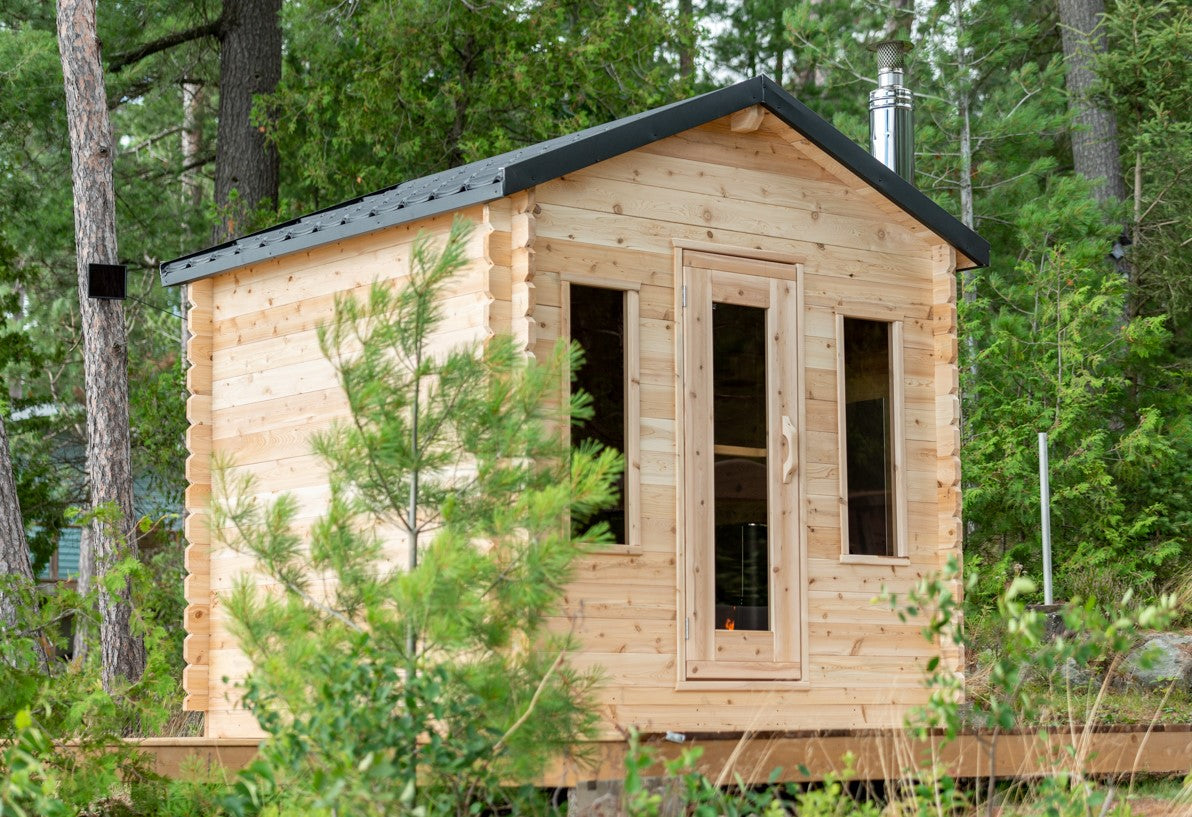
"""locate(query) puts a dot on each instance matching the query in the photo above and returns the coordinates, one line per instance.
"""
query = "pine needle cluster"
(409, 647)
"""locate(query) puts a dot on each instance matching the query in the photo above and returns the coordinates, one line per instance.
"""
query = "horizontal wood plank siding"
(618, 219)
(270, 389)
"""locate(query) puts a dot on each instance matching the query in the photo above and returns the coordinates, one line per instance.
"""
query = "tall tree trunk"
(964, 93)
(192, 141)
(105, 352)
(14, 550)
(249, 64)
(1094, 138)
(687, 44)
(193, 94)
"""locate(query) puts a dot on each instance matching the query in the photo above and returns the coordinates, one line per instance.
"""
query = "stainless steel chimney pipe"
(891, 112)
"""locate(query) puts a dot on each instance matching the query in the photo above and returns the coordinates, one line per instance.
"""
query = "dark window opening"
(869, 438)
(598, 326)
(741, 505)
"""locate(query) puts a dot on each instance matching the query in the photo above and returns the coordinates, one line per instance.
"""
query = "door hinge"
(684, 296)
(686, 629)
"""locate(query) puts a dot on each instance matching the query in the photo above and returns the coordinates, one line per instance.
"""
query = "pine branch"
(121, 61)
(525, 716)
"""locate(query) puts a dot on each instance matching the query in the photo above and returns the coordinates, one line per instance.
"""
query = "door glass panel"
(870, 454)
(741, 506)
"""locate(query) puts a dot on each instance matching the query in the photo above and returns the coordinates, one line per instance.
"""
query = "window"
(740, 541)
(870, 399)
(602, 317)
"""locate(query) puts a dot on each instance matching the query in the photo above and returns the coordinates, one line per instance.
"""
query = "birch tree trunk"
(193, 94)
(249, 64)
(1094, 137)
(14, 550)
(105, 352)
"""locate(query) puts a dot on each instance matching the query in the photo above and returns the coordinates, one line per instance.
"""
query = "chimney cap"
(890, 52)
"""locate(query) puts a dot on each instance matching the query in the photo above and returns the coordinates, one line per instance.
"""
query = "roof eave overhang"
(195, 267)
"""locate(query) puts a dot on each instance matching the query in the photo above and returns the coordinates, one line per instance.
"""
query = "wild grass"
(1023, 688)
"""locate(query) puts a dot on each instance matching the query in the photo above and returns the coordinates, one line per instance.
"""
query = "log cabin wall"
(743, 187)
(261, 387)
(756, 188)
(197, 585)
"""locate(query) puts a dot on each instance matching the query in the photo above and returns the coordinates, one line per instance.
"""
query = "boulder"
(1172, 654)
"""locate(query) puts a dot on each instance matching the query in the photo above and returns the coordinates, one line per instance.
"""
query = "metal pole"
(1045, 512)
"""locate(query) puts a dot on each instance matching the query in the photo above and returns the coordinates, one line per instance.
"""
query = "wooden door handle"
(788, 434)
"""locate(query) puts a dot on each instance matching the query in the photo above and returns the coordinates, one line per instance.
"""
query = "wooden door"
(740, 540)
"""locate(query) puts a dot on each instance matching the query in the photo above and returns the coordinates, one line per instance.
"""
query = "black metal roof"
(521, 169)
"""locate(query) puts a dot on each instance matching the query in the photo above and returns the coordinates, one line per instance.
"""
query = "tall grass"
(916, 766)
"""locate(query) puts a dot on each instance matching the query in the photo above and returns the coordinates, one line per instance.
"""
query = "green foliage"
(47, 701)
(420, 688)
(1145, 78)
(374, 94)
(686, 789)
(752, 37)
(158, 419)
(1090, 633)
(1061, 356)
(27, 787)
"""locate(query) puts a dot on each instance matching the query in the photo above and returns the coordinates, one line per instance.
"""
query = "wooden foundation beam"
(879, 755)
(889, 755)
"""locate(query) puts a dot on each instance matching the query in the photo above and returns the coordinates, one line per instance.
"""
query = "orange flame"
(729, 624)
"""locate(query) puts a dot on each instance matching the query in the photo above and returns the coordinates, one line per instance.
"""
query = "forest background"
(1059, 130)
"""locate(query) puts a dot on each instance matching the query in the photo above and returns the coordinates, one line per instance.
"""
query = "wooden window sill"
(759, 685)
(861, 559)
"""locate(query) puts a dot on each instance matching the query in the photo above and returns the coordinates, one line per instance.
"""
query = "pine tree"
(1095, 149)
(105, 343)
(1144, 77)
(14, 550)
(405, 657)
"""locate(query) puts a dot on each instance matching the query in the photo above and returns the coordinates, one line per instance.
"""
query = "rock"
(1080, 675)
(1173, 661)
(595, 798)
(602, 798)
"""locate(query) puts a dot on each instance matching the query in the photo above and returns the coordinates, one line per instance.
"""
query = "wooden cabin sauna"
(770, 316)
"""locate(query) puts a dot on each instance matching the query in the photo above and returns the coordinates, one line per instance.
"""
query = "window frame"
(901, 555)
(632, 409)
(785, 666)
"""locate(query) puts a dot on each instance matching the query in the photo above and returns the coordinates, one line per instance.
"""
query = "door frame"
(785, 666)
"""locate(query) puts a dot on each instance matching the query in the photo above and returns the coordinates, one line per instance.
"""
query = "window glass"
(598, 325)
(741, 506)
(868, 438)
